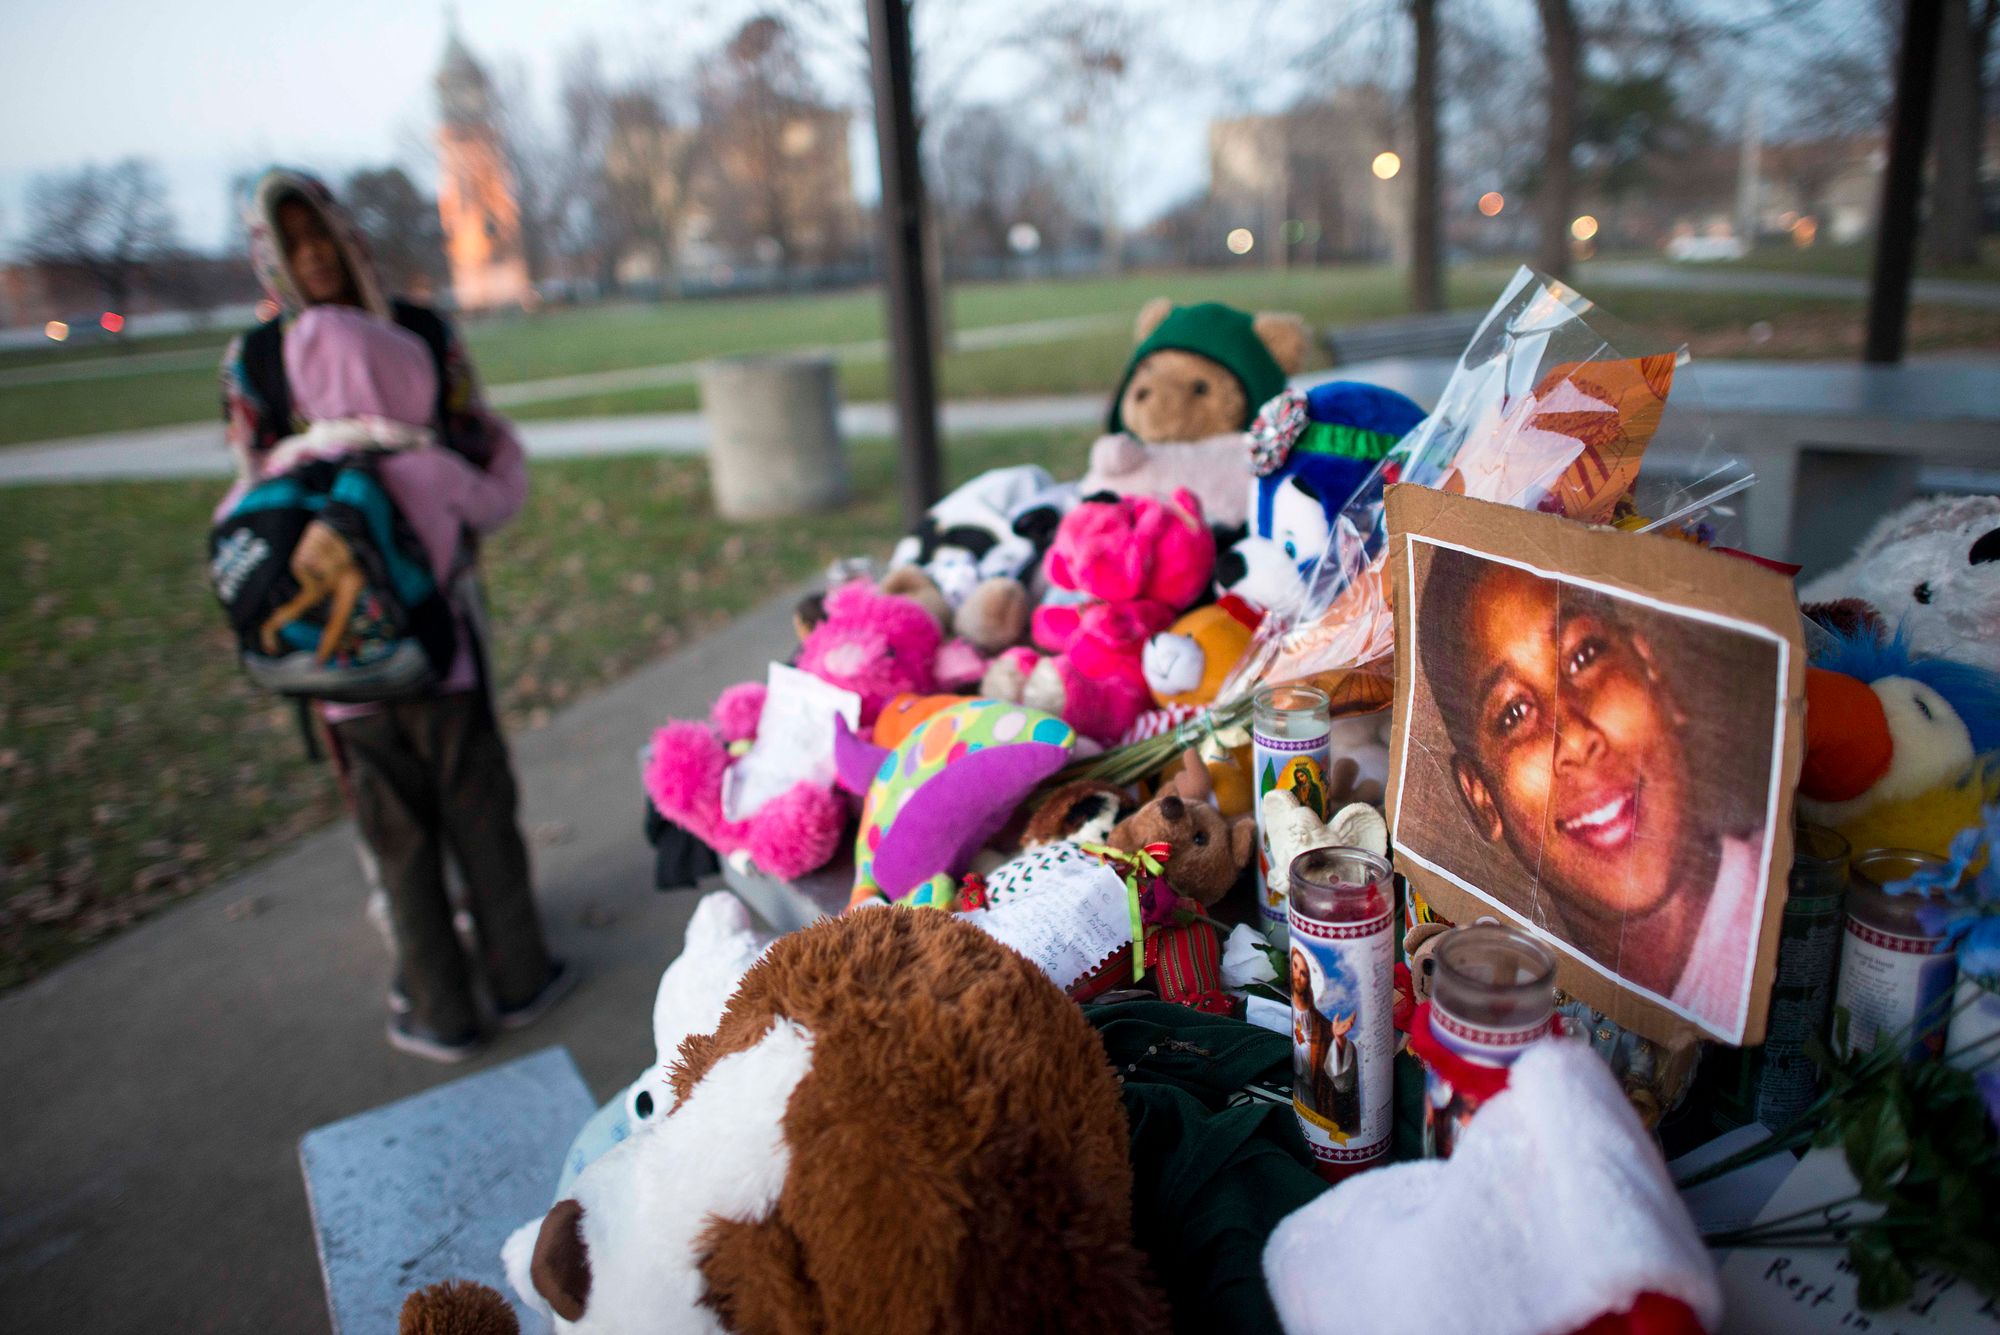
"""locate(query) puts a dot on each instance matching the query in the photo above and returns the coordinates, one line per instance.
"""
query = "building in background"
(1304, 181)
(739, 193)
(476, 202)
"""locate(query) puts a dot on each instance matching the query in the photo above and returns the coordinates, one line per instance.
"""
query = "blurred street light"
(1583, 228)
(1024, 238)
(1491, 203)
(1386, 165)
(111, 322)
(1805, 231)
(56, 330)
(1240, 241)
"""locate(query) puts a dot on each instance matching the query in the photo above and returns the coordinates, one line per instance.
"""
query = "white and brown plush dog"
(898, 1126)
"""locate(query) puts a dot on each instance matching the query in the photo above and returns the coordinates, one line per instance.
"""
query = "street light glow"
(111, 322)
(56, 330)
(1491, 203)
(1583, 228)
(1386, 165)
(1239, 241)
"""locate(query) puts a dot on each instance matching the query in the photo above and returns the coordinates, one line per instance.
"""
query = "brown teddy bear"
(899, 1125)
(1196, 380)
(1206, 853)
(1209, 850)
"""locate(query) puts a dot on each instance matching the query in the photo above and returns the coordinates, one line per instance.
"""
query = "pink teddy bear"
(1136, 562)
(877, 645)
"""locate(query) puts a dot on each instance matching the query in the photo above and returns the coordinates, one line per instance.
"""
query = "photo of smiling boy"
(1608, 761)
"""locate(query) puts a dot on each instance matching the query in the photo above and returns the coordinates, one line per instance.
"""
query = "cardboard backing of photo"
(1670, 571)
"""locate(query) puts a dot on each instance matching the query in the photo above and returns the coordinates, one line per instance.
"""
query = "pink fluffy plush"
(1097, 673)
(1130, 547)
(875, 644)
(796, 832)
(1139, 561)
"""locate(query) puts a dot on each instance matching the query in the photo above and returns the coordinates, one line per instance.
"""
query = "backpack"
(401, 637)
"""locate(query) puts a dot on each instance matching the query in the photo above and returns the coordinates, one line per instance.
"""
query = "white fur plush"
(718, 948)
(721, 1155)
(1931, 569)
(1554, 1209)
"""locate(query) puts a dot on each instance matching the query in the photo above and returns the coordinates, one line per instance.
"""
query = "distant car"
(1706, 249)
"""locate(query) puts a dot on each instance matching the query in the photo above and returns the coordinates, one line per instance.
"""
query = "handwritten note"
(1813, 1289)
(794, 740)
(1060, 907)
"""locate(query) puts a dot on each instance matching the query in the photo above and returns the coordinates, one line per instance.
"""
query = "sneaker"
(406, 1036)
(562, 981)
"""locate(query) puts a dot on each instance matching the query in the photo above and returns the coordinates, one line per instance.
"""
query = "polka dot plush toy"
(939, 796)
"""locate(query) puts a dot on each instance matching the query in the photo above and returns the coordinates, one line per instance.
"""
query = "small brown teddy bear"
(1206, 854)
(1196, 380)
(1209, 850)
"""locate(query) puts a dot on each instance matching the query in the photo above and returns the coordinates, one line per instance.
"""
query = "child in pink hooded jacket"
(428, 773)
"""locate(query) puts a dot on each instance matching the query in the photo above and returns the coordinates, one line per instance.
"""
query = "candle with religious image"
(1896, 975)
(1289, 731)
(1493, 992)
(1342, 969)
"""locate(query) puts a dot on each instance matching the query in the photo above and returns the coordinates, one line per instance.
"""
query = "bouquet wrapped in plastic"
(1541, 412)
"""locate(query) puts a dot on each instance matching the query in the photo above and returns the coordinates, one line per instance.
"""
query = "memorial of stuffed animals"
(1328, 866)
(1000, 667)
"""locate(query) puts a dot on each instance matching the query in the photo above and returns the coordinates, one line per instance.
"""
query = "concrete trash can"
(774, 444)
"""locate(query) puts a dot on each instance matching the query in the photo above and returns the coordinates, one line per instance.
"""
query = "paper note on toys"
(1596, 739)
(794, 740)
(1814, 1288)
(1060, 907)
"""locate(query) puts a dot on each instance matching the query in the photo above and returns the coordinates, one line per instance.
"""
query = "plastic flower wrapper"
(1542, 413)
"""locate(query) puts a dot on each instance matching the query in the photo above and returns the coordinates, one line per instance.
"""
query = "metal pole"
(1903, 183)
(921, 474)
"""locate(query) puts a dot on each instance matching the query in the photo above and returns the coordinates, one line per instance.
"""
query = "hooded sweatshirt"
(253, 427)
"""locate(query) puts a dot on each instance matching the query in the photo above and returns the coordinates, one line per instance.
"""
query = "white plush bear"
(1932, 570)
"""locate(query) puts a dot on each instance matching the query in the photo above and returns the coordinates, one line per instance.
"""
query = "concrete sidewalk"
(156, 1088)
(197, 451)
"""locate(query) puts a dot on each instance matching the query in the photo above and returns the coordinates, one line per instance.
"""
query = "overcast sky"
(213, 89)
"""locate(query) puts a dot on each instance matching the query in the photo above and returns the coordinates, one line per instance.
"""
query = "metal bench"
(429, 1187)
(1835, 445)
(1443, 335)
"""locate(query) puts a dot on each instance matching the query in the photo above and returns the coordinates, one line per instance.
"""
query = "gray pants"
(429, 775)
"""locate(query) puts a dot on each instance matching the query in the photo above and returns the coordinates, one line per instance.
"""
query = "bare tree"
(988, 176)
(402, 227)
(752, 95)
(1555, 201)
(1958, 131)
(1098, 61)
(109, 223)
(538, 166)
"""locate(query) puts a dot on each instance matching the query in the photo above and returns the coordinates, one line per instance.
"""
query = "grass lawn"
(572, 341)
(136, 766)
